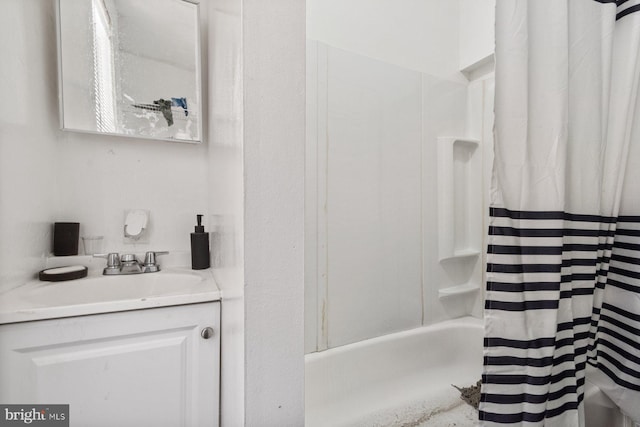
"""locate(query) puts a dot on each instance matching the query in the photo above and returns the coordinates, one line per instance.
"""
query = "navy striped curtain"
(562, 304)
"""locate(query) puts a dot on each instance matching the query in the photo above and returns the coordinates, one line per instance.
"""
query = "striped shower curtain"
(563, 265)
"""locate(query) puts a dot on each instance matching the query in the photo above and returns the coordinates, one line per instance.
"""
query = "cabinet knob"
(207, 332)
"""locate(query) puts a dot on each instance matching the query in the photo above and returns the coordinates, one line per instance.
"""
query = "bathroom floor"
(445, 410)
(461, 415)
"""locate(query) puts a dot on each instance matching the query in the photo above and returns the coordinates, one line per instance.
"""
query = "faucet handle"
(113, 263)
(150, 257)
(113, 259)
(150, 265)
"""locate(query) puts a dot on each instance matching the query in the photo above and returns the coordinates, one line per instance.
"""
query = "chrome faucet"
(129, 264)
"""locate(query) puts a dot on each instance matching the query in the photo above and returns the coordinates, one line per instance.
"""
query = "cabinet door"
(136, 368)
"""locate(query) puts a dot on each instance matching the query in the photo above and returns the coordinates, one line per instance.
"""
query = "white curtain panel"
(563, 266)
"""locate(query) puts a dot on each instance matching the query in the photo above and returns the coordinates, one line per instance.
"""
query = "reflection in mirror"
(130, 67)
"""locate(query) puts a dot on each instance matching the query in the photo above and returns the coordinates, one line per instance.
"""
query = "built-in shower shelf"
(459, 198)
(463, 253)
(460, 290)
(458, 301)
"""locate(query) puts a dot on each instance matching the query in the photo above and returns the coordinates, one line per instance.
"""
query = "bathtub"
(599, 410)
(405, 379)
(402, 379)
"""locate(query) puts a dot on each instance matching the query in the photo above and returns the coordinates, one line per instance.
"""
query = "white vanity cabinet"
(151, 367)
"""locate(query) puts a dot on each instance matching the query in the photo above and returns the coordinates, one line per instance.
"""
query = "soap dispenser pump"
(200, 258)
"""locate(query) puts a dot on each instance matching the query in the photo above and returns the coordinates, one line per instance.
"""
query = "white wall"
(226, 188)
(51, 175)
(274, 135)
(100, 177)
(373, 218)
(477, 31)
(28, 146)
(420, 35)
(432, 36)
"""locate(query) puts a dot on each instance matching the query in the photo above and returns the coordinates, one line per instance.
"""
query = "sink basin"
(101, 294)
(103, 288)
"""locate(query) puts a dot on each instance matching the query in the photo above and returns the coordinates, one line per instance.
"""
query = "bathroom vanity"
(145, 353)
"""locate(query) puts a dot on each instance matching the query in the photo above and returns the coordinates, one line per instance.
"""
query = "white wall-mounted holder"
(458, 301)
(459, 198)
(136, 224)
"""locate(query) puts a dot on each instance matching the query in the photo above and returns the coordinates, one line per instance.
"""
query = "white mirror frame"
(199, 87)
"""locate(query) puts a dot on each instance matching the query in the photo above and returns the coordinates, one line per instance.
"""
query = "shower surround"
(374, 258)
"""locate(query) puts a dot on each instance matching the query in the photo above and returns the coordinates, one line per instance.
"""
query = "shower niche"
(459, 198)
(459, 220)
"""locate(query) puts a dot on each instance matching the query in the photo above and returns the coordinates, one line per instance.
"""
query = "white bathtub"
(404, 379)
(395, 380)
(599, 410)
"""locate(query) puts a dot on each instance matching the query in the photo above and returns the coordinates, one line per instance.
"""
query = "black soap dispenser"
(200, 258)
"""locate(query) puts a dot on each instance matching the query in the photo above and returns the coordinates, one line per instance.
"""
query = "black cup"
(65, 238)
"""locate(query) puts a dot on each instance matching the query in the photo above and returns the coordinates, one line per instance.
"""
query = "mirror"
(130, 68)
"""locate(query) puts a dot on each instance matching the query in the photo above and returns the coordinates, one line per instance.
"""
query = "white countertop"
(38, 300)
